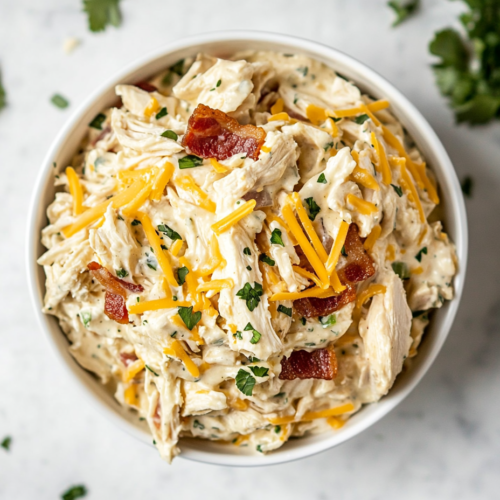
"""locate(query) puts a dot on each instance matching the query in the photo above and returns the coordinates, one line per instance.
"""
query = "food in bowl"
(241, 250)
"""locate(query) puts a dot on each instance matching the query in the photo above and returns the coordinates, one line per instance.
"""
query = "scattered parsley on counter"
(245, 382)
(285, 310)
(467, 186)
(190, 318)
(314, 208)
(3, 100)
(74, 492)
(403, 9)
(59, 101)
(98, 121)
(251, 295)
(170, 134)
(276, 237)
(5, 444)
(190, 161)
(469, 70)
(101, 13)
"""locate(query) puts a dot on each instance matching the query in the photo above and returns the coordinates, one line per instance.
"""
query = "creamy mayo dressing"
(200, 391)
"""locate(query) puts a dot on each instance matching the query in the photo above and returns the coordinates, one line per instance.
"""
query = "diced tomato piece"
(320, 364)
(212, 133)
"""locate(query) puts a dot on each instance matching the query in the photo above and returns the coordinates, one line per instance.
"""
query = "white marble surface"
(442, 443)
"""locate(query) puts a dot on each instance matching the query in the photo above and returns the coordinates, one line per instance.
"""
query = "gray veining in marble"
(443, 442)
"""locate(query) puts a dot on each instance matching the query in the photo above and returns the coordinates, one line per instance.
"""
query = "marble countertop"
(442, 442)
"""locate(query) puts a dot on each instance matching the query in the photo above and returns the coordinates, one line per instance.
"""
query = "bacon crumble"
(319, 364)
(211, 133)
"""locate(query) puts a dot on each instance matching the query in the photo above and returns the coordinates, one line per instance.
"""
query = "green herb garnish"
(74, 492)
(314, 208)
(419, 254)
(327, 321)
(190, 161)
(304, 70)
(342, 251)
(98, 121)
(218, 83)
(361, 119)
(86, 318)
(170, 134)
(322, 179)
(163, 112)
(101, 13)
(190, 319)
(247, 251)
(59, 101)
(173, 235)
(122, 273)
(267, 260)
(198, 425)
(276, 237)
(251, 295)
(401, 269)
(285, 310)
(136, 222)
(152, 371)
(403, 9)
(398, 190)
(245, 382)
(259, 371)
(255, 334)
(182, 272)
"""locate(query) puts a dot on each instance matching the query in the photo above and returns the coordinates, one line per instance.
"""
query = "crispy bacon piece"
(116, 292)
(359, 267)
(146, 86)
(321, 363)
(211, 133)
(127, 358)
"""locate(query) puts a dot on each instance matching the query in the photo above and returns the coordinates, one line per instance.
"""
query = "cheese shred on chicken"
(242, 250)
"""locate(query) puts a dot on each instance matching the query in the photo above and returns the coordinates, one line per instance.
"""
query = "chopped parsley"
(136, 222)
(277, 429)
(151, 262)
(173, 235)
(122, 273)
(163, 112)
(245, 382)
(314, 208)
(403, 9)
(327, 321)
(251, 295)
(198, 425)
(267, 260)
(259, 448)
(361, 119)
(238, 335)
(102, 13)
(276, 237)
(247, 251)
(343, 252)
(59, 101)
(6, 442)
(304, 70)
(152, 371)
(401, 269)
(218, 83)
(322, 179)
(170, 134)
(98, 121)
(86, 318)
(249, 268)
(467, 185)
(173, 334)
(303, 320)
(255, 334)
(259, 371)
(285, 310)
(190, 161)
(189, 318)
(398, 190)
(328, 146)
(74, 492)
(182, 272)
(420, 253)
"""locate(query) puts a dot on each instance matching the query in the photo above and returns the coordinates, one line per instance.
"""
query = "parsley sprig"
(102, 13)
(251, 295)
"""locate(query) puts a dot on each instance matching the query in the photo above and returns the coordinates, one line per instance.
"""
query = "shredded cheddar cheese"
(372, 238)
(277, 107)
(152, 107)
(75, 189)
(315, 114)
(233, 218)
(216, 285)
(187, 183)
(362, 206)
(155, 305)
(130, 395)
(382, 165)
(218, 167)
(133, 369)
(333, 258)
(176, 350)
(280, 117)
(161, 181)
(176, 247)
(314, 415)
(373, 107)
(371, 291)
(308, 275)
(131, 208)
(310, 292)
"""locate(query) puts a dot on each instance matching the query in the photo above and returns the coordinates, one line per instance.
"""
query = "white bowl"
(224, 44)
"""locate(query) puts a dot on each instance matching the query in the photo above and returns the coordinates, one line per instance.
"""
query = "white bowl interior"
(224, 44)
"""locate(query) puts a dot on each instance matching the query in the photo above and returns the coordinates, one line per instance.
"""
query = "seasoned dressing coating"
(216, 260)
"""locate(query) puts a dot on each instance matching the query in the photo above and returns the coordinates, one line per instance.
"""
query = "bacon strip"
(321, 364)
(359, 267)
(211, 133)
(116, 292)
